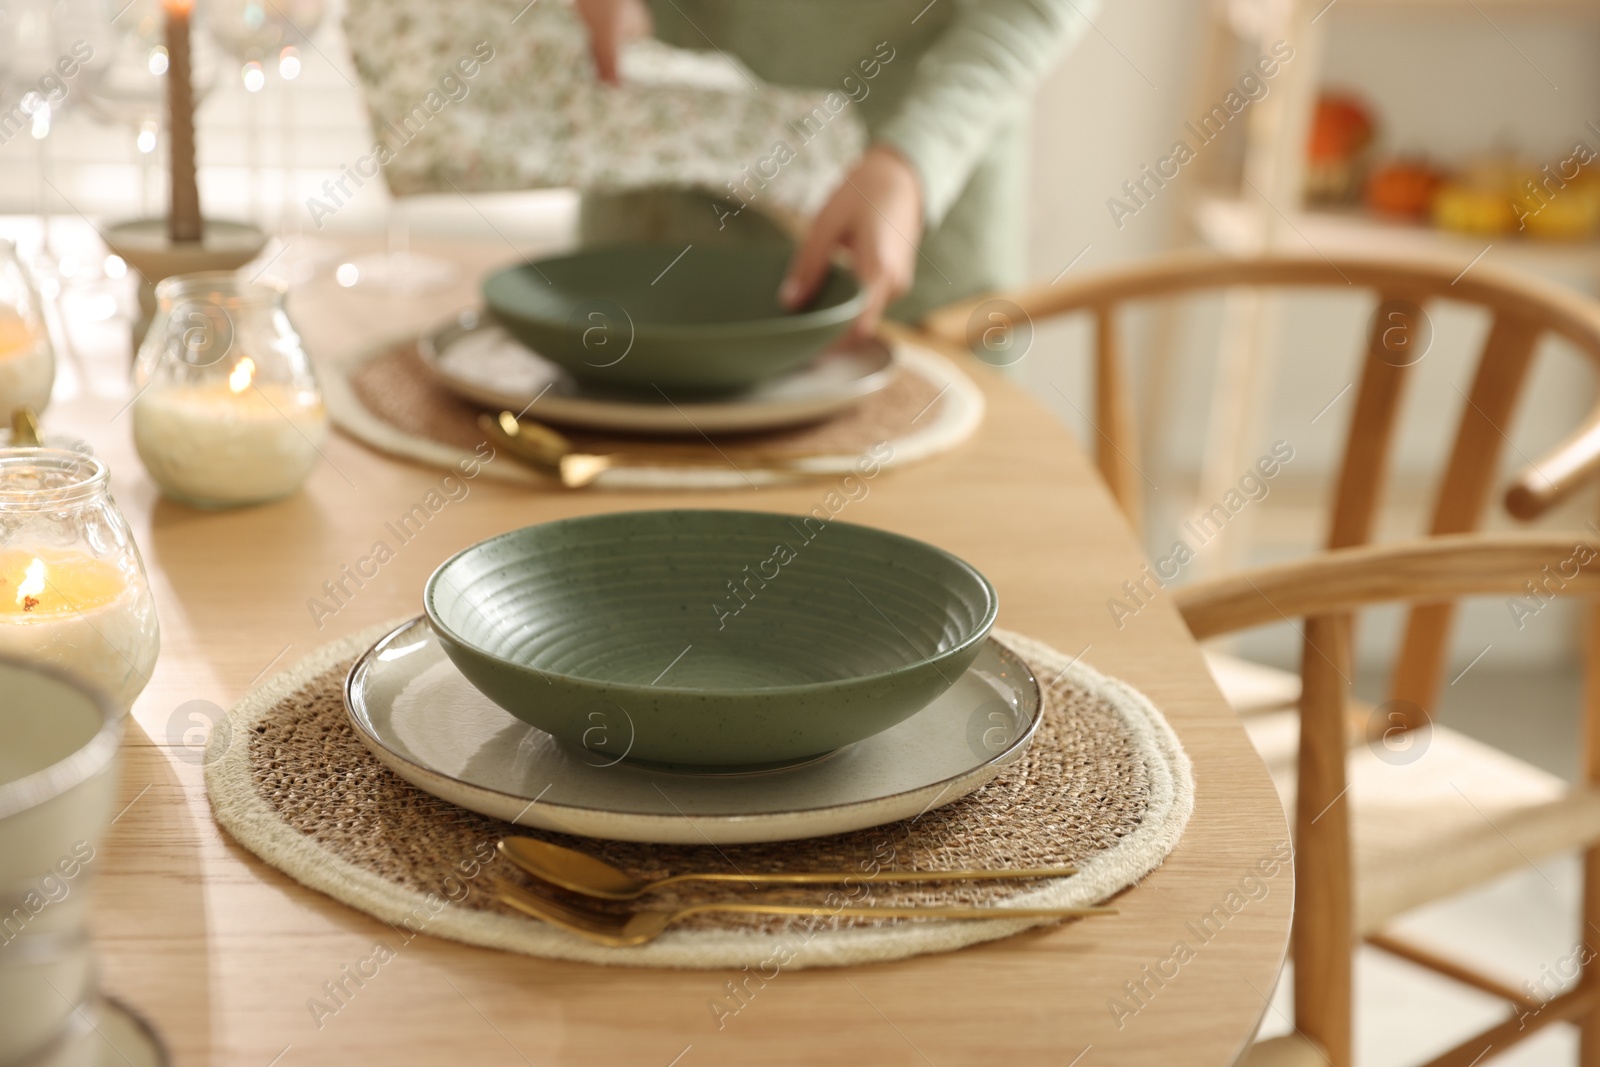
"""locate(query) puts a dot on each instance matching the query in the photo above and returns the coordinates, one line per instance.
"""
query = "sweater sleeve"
(984, 66)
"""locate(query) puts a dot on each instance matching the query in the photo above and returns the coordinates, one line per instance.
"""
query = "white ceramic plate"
(478, 360)
(427, 723)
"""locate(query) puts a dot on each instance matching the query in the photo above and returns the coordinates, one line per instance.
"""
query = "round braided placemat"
(1105, 786)
(389, 399)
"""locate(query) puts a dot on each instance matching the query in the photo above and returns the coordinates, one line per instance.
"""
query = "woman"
(934, 210)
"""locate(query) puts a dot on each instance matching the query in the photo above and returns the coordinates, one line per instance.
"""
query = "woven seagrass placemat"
(1105, 787)
(390, 399)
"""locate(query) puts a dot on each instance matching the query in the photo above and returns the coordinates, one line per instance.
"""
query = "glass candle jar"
(27, 362)
(228, 411)
(57, 782)
(73, 592)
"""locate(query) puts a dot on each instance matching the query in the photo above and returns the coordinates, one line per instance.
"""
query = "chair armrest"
(1573, 464)
(1427, 569)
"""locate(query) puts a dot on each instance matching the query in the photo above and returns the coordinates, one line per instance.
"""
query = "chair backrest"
(1522, 310)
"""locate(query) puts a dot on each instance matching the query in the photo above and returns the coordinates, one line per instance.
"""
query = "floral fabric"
(501, 94)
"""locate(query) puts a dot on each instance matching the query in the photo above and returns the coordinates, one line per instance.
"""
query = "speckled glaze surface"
(709, 638)
(418, 714)
(649, 316)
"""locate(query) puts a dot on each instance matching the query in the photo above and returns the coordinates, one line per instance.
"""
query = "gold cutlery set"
(585, 876)
(551, 454)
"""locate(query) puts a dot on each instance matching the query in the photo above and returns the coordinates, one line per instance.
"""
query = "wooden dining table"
(224, 954)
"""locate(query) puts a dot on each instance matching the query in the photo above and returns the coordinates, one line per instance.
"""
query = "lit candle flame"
(31, 586)
(243, 373)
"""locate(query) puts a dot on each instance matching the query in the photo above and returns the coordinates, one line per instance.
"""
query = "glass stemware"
(397, 270)
(49, 51)
(256, 33)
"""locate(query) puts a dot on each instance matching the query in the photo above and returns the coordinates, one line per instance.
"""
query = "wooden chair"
(1346, 883)
(1405, 832)
(1523, 310)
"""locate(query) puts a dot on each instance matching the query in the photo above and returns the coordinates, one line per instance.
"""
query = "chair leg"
(1589, 1024)
(1324, 929)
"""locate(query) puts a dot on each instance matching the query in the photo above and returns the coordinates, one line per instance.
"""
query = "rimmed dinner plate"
(420, 717)
(477, 359)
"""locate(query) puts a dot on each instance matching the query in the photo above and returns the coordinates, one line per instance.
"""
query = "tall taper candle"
(183, 217)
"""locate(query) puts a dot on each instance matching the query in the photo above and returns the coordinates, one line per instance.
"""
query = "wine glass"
(266, 37)
(255, 32)
(398, 271)
(49, 52)
(28, 75)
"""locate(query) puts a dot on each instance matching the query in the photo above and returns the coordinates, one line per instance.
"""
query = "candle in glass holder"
(57, 788)
(27, 365)
(229, 412)
(27, 362)
(78, 613)
(73, 593)
(234, 441)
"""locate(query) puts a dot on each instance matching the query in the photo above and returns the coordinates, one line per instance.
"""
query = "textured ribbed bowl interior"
(709, 599)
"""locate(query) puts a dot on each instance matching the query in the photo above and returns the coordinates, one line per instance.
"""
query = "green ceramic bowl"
(642, 316)
(709, 638)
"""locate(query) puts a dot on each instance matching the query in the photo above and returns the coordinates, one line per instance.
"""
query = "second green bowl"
(682, 318)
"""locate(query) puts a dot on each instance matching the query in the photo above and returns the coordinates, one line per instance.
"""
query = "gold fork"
(637, 927)
(553, 455)
(579, 872)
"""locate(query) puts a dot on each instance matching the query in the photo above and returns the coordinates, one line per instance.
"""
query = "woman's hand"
(876, 215)
(612, 23)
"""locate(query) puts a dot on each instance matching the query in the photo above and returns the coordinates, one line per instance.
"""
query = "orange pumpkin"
(1405, 188)
(1341, 130)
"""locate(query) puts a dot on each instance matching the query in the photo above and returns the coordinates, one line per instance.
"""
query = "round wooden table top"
(229, 958)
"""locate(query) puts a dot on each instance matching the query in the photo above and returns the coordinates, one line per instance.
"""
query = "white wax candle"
(78, 613)
(27, 366)
(229, 442)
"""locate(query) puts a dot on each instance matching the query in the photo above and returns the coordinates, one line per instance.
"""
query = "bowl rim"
(976, 636)
(844, 312)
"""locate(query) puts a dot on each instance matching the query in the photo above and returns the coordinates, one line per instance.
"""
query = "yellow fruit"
(1564, 213)
(1473, 209)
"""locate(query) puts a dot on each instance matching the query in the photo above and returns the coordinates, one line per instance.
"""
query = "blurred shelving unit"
(1247, 198)
(1236, 227)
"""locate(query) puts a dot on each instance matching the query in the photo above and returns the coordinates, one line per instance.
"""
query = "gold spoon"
(582, 873)
(635, 928)
(553, 455)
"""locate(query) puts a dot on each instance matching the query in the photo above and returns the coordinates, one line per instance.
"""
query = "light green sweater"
(945, 83)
